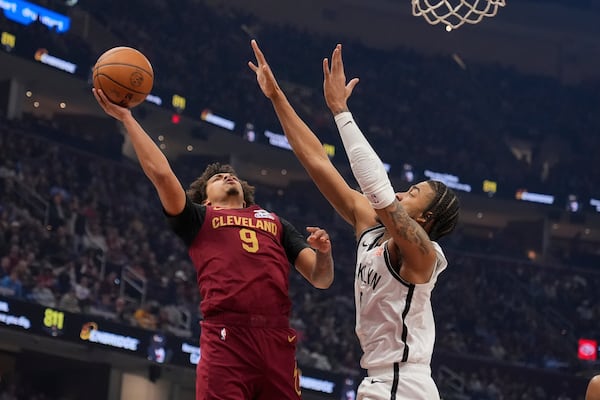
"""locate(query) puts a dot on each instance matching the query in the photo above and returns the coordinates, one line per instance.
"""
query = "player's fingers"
(332, 53)
(322, 243)
(326, 71)
(260, 57)
(252, 66)
(100, 97)
(335, 55)
(318, 243)
(95, 93)
(351, 85)
(340, 60)
(335, 65)
(313, 232)
(320, 234)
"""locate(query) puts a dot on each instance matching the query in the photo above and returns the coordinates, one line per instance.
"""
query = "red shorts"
(246, 357)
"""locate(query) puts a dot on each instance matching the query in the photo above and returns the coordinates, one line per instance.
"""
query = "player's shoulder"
(372, 231)
(442, 261)
(437, 247)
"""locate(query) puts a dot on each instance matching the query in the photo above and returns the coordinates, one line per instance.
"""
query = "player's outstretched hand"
(335, 88)
(110, 108)
(264, 76)
(318, 239)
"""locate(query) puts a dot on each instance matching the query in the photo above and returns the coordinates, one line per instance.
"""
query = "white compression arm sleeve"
(366, 165)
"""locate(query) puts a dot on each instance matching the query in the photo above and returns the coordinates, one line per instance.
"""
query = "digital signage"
(587, 349)
(156, 347)
(24, 12)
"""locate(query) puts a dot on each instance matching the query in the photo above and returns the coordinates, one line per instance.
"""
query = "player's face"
(416, 199)
(223, 185)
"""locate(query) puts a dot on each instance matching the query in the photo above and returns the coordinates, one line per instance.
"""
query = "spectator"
(11, 284)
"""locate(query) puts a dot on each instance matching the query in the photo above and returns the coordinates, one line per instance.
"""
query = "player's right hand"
(112, 109)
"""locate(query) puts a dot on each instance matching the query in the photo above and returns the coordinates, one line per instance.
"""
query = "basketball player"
(398, 260)
(242, 255)
(593, 389)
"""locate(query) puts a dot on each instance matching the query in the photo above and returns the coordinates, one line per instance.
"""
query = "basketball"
(124, 75)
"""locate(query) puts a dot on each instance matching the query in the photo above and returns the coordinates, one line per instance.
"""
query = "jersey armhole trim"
(390, 268)
(367, 231)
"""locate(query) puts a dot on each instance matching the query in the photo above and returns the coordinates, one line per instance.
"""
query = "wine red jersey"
(242, 258)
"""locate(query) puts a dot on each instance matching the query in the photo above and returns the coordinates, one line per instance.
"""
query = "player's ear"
(425, 218)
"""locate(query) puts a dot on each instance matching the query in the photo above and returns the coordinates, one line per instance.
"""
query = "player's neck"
(228, 203)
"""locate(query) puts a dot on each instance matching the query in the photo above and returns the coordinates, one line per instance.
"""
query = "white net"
(455, 13)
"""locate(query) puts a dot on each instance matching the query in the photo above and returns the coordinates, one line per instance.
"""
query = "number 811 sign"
(53, 322)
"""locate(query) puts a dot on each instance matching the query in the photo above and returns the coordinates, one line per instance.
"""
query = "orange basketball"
(124, 75)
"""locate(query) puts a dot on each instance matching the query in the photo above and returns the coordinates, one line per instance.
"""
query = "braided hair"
(444, 210)
(197, 189)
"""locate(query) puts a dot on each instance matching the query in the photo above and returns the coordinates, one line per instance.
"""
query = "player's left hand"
(335, 88)
(318, 239)
(264, 76)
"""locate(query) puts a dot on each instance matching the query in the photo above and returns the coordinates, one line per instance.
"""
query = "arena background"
(506, 111)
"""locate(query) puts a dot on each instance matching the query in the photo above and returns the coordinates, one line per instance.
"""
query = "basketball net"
(455, 13)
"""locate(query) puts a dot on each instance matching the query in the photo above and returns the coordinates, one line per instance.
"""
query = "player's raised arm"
(309, 150)
(153, 161)
(409, 238)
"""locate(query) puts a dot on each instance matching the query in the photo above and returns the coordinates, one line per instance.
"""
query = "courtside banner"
(93, 330)
(156, 347)
(17, 315)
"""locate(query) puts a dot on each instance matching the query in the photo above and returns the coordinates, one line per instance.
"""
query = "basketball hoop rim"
(455, 13)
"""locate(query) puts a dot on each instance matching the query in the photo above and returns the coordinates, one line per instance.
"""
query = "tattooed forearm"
(408, 228)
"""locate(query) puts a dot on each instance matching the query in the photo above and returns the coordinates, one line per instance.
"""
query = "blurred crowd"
(101, 227)
(432, 112)
(477, 122)
(84, 232)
